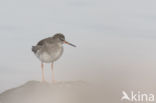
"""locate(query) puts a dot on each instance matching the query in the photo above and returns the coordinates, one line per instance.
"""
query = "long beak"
(69, 43)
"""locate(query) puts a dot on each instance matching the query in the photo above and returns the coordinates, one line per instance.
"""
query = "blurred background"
(115, 42)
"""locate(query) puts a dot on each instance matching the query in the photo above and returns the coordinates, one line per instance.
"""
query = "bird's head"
(61, 38)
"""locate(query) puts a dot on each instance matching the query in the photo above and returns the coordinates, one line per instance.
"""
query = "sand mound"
(37, 92)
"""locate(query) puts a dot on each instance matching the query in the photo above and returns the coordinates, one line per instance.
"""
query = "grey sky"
(110, 34)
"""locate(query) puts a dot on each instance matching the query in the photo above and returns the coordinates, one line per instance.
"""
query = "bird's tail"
(34, 49)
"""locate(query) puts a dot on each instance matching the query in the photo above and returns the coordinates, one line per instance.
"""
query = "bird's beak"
(69, 43)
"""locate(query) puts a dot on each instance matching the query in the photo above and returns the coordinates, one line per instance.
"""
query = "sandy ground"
(37, 92)
(65, 92)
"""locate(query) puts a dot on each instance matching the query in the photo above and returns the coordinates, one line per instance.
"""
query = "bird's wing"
(41, 42)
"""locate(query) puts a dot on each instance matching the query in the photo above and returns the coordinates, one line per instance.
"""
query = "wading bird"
(49, 50)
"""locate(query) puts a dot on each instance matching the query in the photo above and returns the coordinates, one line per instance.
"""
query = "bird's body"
(49, 50)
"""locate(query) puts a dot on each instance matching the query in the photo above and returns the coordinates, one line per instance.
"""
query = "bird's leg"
(53, 76)
(42, 67)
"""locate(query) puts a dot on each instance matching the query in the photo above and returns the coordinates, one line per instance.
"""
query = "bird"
(49, 50)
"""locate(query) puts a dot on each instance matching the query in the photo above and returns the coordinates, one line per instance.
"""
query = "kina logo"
(137, 97)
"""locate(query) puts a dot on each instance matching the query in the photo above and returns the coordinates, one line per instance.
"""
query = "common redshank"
(49, 50)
